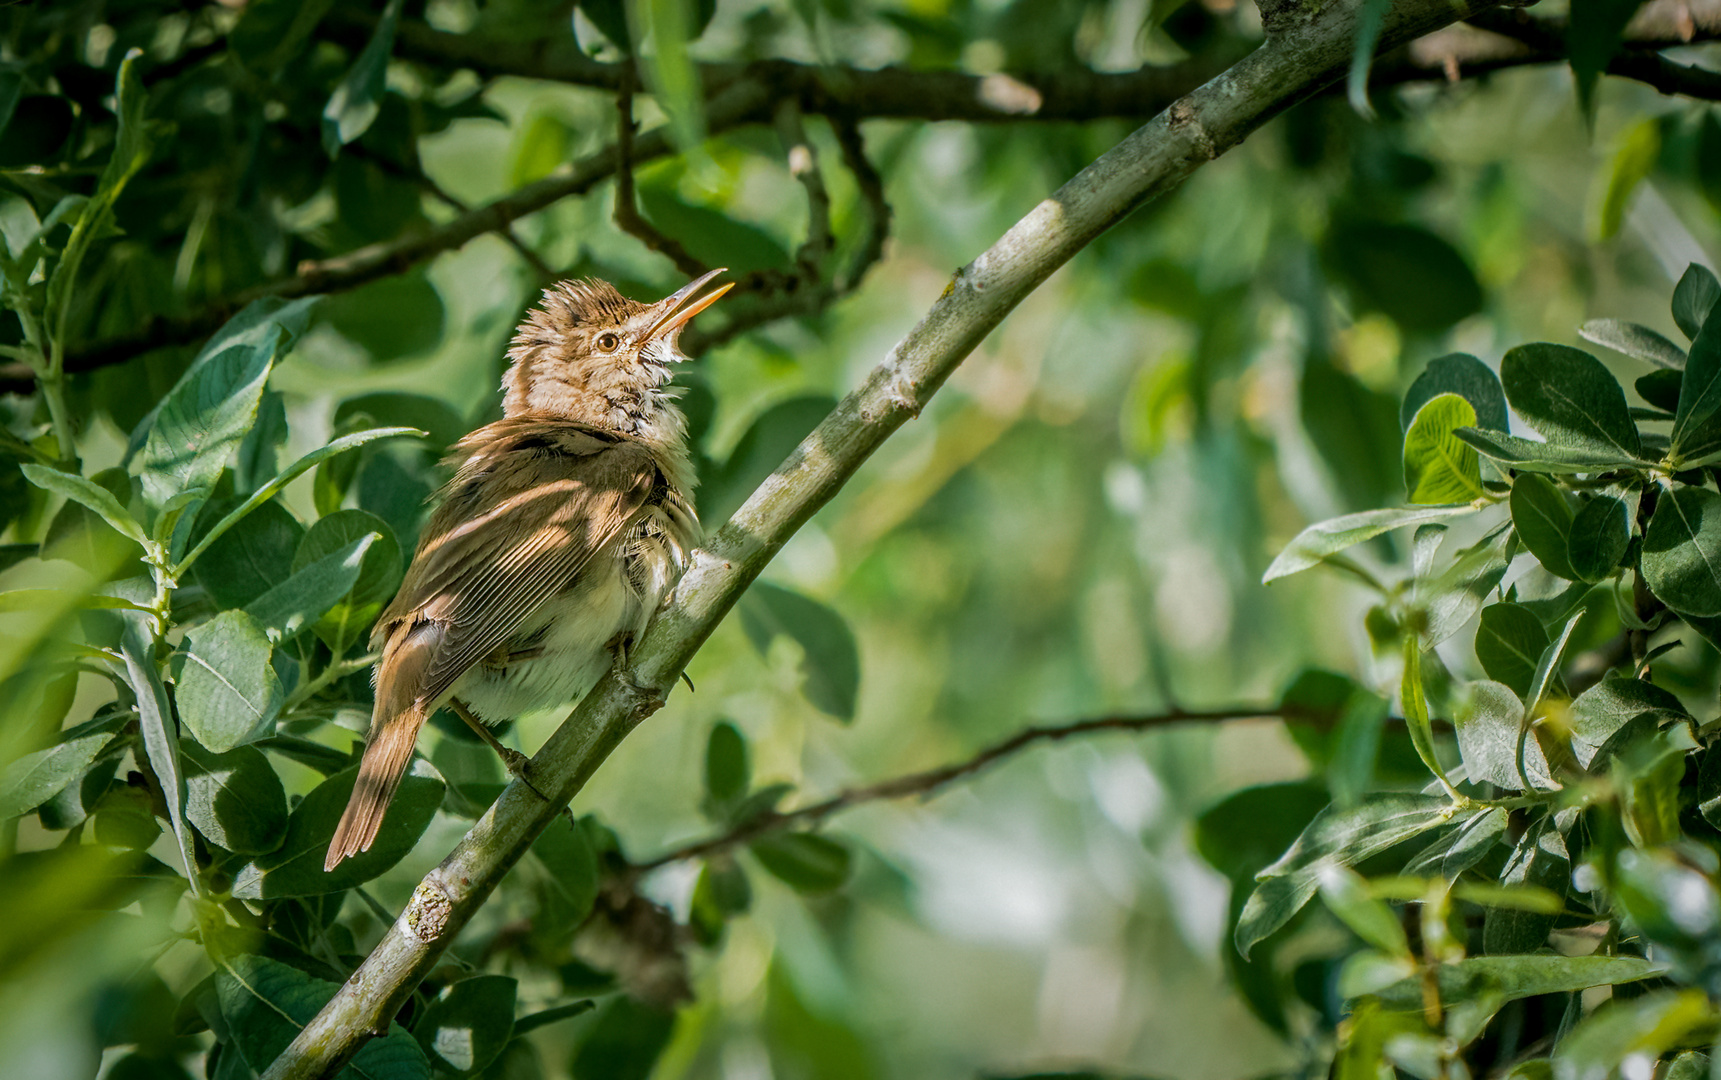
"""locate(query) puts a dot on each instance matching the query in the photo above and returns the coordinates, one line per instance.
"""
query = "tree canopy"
(1074, 347)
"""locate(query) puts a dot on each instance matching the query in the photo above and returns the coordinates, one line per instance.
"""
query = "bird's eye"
(608, 342)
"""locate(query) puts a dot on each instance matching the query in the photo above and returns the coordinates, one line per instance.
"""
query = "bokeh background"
(1076, 528)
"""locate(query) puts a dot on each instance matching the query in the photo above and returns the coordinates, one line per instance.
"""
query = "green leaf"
(89, 494)
(669, 70)
(1570, 398)
(1661, 388)
(1609, 705)
(265, 1004)
(357, 99)
(1593, 38)
(1527, 455)
(727, 775)
(1646, 1027)
(1474, 841)
(434, 419)
(1249, 829)
(379, 573)
(610, 17)
(251, 558)
(1343, 837)
(1509, 642)
(622, 1041)
(33, 779)
(1539, 860)
(533, 1021)
(831, 660)
(235, 799)
(1318, 541)
(1464, 375)
(203, 419)
(229, 693)
(808, 862)
(1346, 895)
(131, 152)
(1439, 468)
(571, 886)
(1696, 426)
(155, 724)
(1681, 561)
(1515, 977)
(1600, 533)
(269, 490)
(767, 441)
(1489, 722)
(296, 868)
(1694, 298)
(1543, 518)
(464, 1028)
(1635, 341)
(1634, 157)
(1648, 775)
(261, 324)
(1413, 699)
(296, 604)
(1369, 18)
(1418, 279)
(1671, 903)
(1453, 597)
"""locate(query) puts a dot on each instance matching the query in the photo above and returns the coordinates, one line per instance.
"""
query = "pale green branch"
(1305, 56)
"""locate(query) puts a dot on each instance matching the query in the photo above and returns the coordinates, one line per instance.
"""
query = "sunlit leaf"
(358, 97)
(1440, 468)
(464, 1028)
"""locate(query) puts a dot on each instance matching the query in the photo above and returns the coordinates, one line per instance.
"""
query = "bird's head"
(590, 354)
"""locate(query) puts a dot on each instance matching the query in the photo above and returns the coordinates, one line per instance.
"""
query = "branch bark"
(1155, 158)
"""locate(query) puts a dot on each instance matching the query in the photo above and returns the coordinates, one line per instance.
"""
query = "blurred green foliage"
(211, 480)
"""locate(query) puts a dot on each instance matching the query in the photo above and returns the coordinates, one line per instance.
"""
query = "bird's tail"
(380, 771)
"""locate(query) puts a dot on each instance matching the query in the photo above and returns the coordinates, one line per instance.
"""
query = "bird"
(564, 526)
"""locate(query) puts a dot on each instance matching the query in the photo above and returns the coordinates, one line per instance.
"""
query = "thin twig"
(804, 166)
(627, 215)
(930, 782)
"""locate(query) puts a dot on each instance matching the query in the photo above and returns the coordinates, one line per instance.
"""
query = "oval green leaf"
(1681, 560)
(1440, 468)
(1571, 398)
(1601, 531)
(1543, 518)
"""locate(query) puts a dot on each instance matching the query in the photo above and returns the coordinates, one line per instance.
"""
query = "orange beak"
(685, 304)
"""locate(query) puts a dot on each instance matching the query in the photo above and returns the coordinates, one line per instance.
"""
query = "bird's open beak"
(685, 304)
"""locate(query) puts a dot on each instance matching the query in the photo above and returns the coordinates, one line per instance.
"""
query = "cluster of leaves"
(1567, 838)
(232, 637)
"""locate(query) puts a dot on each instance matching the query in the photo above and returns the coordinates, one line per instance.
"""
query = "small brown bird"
(566, 524)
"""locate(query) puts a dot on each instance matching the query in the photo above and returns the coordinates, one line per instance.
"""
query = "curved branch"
(1152, 160)
(930, 781)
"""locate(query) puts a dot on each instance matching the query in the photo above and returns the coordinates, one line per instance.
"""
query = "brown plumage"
(566, 523)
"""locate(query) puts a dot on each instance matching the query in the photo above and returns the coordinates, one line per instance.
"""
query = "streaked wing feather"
(511, 540)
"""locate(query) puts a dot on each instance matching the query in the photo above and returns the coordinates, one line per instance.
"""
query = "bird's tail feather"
(380, 772)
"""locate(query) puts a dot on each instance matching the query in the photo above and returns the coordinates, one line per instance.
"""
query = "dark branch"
(743, 94)
(932, 780)
(627, 215)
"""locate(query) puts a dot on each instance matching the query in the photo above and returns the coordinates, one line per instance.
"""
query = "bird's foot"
(519, 766)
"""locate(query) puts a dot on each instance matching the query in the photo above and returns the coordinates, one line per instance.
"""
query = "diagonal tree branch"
(931, 781)
(1291, 65)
